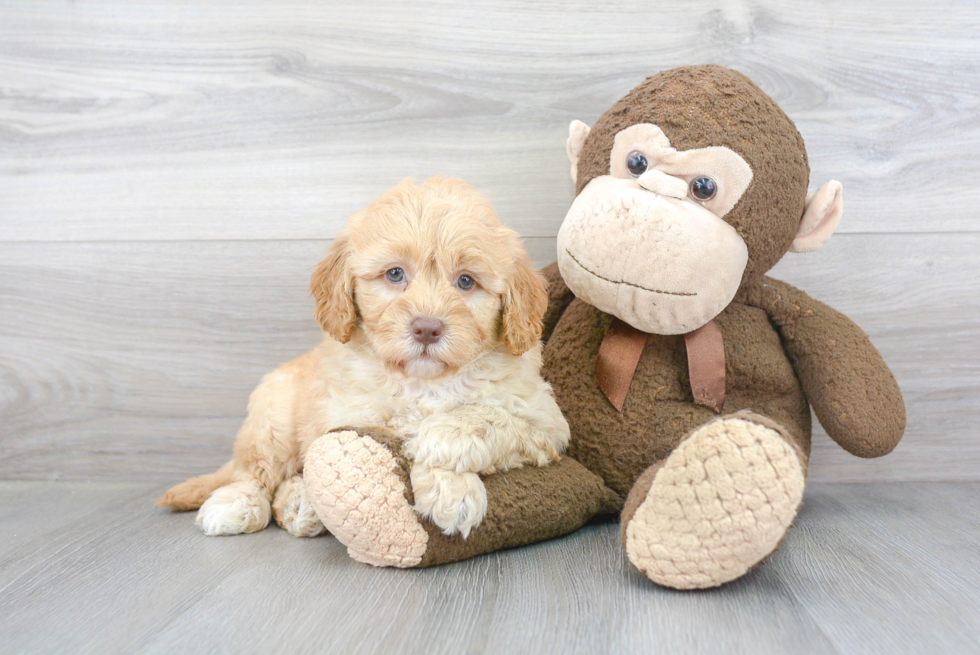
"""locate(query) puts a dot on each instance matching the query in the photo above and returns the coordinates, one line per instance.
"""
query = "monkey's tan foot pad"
(359, 492)
(718, 505)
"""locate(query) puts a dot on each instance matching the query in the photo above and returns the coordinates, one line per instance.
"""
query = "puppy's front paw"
(456, 502)
(235, 508)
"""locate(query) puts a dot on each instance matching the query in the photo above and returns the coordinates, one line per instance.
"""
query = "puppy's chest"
(401, 413)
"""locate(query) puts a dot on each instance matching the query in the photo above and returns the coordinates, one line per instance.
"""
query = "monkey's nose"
(665, 185)
(427, 330)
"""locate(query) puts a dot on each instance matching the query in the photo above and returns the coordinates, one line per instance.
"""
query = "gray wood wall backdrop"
(169, 173)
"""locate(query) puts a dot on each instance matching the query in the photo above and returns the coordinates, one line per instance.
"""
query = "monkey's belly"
(660, 409)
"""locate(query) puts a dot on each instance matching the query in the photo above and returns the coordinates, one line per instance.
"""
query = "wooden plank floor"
(95, 568)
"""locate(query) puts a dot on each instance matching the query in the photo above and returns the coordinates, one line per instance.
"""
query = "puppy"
(432, 314)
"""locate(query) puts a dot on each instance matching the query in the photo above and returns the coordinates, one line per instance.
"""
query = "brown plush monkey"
(684, 373)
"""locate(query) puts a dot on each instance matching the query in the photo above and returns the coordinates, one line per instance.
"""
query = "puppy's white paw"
(293, 510)
(235, 508)
(456, 502)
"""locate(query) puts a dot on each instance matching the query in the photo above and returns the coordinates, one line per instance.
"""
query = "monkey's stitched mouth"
(629, 284)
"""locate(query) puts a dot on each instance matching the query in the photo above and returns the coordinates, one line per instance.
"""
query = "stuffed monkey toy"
(686, 375)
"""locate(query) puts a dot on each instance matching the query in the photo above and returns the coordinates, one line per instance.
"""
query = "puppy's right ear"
(332, 287)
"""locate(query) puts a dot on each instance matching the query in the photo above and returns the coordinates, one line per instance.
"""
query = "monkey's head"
(690, 187)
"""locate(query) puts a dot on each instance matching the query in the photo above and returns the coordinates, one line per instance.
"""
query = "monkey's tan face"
(647, 242)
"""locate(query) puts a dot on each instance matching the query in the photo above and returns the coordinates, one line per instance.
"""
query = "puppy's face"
(432, 279)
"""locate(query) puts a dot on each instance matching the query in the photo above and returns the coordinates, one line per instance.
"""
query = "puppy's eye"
(637, 164)
(395, 275)
(465, 282)
(703, 188)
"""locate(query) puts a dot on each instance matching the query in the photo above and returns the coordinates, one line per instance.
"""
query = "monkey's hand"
(559, 298)
(852, 391)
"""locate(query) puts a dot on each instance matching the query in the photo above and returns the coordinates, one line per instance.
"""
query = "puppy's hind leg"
(235, 508)
(245, 505)
(266, 453)
(293, 511)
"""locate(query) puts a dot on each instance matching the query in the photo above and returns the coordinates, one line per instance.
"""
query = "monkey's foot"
(358, 490)
(717, 506)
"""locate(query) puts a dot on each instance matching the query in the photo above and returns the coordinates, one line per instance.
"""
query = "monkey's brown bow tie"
(620, 351)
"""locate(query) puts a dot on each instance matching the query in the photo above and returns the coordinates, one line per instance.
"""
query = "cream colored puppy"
(432, 314)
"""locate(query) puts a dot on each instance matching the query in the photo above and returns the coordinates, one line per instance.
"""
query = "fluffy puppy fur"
(464, 390)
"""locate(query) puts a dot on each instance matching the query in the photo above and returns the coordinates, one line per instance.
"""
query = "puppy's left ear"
(525, 302)
(332, 288)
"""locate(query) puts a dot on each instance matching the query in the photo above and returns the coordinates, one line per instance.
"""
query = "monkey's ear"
(577, 131)
(332, 288)
(821, 216)
(525, 302)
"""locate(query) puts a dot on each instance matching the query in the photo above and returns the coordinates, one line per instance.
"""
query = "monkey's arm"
(559, 297)
(852, 391)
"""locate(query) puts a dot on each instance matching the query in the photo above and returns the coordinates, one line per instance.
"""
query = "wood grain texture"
(188, 120)
(169, 172)
(869, 568)
(135, 360)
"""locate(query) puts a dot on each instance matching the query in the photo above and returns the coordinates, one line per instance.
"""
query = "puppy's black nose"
(427, 330)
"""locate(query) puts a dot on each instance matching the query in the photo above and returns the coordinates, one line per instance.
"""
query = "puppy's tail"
(192, 493)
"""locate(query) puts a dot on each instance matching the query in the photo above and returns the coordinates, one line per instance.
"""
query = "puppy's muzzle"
(426, 330)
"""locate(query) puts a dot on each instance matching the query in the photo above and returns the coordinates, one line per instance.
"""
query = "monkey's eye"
(395, 275)
(465, 282)
(636, 163)
(703, 188)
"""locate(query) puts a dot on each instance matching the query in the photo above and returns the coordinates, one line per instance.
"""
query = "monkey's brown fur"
(769, 324)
